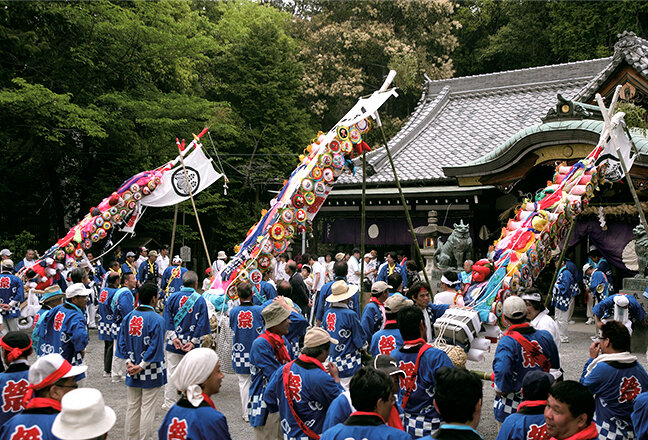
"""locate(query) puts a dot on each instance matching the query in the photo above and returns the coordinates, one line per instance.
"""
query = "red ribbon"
(415, 341)
(278, 345)
(531, 403)
(312, 360)
(207, 399)
(43, 402)
(374, 300)
(13, 353)
(49, 380)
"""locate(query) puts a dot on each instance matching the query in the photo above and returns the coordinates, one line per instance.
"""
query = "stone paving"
(573, 356)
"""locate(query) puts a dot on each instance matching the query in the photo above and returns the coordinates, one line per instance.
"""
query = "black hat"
(536, 385)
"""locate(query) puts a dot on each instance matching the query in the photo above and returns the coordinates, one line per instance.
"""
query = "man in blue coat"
(148, 270)
(390, 267)
(563, 293)
(172, 277)
(106, 320)
(16, 349)
(340, 270)
(373, 315)
(11, 295)
(569, 412)
(122, 303)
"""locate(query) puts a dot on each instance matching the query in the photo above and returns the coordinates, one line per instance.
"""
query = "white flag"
(175, 184)
(366, 107)
(614, 136)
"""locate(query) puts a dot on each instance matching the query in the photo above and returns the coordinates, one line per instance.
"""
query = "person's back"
(16, 348)
(186, 421)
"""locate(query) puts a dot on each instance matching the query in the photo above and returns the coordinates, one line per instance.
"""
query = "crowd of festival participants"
(310, 362)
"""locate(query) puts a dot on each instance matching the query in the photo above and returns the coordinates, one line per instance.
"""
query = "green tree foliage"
(511, 34)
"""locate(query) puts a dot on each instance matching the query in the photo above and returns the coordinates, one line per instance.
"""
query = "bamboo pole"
(560, 260)
(362, 227)
(404, 203)
(193, 204)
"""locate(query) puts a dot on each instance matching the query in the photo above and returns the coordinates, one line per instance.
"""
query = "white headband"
(444, 280)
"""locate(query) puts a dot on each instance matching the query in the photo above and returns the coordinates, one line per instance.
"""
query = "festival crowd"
(311, 363)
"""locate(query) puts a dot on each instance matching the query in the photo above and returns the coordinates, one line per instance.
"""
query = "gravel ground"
(573, 357)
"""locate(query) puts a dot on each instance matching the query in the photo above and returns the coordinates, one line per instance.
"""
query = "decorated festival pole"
(560, 260)
(363, 226)
(193, 203)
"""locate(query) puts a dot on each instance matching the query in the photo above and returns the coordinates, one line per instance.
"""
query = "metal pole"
(404, 203)
(363, 226)
(193, 203)
(560, 260)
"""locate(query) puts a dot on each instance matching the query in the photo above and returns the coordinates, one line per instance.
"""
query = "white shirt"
(280, 271)
(447, 297)
(319, 268)
(217, 266)
(354, 266)
(139, 261)
(545, 322)
(163, 263)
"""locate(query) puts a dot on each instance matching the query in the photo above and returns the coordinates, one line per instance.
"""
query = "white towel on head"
(194, 369)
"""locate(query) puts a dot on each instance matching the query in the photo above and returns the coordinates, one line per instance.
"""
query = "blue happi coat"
(11, 292)
(187, 422)
(385, 340)
(323, 305)
(38, 322)
(340, 410)
(597, 279)
(420, 417)
(383, 273)
(141, 341)
(512, 363)
(13, 386)
(122, 303)
(360, 427)
(615, 386)
(266, 292)
(247, 324)
(297, 328)
(527, 423)
(343, 324)
(127, 268)
(64, 331)
(30, 424)
(106, 319)
(172, 279)
(605, 309)
(639, 416)
(372, 319)
(564, 289)
(193, 325)
(263, 365)
(312, 390)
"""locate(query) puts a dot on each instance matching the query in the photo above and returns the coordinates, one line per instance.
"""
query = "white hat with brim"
(222, 255)
(340, 291)
(77, 289)
(274, 314)
(46, 365)
(83, 415)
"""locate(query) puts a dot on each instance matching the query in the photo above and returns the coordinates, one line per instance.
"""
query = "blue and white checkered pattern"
(508, 403)
(13, 312)
(104, 328)
(612, 431)
(152, 372)
(241, 359)
(420, 426)
(295, 347)
(348, 362)
(77, 359)
(285, 427)
(184, 340)
(115, 329)
(255, 406)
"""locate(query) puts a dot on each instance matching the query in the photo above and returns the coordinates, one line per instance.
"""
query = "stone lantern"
(431, 232)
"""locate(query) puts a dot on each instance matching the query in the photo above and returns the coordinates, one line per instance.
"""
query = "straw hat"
(340, 291)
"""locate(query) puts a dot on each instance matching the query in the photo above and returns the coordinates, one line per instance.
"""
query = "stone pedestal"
(636, 287)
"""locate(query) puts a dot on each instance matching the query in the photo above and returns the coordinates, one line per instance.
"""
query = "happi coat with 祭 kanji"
(13, 386)
(11, 292)
(512, 363)
(528, 423)
(343, 324)
(363, 425)
(342, 407)
(564, 289)
(312, 390)
(615, 385)
(373, 317)
(419, 415)
(141, 341)
(323, 305)
(186, 318)
(386, 340)
(106, 319)
(172, 279)
(246, 322)
(186, 422)
(64, 331)
(33, 423)
(264, 361)
(122, 303)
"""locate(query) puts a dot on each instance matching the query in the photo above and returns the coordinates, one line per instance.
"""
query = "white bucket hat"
(83, 415)
(221, 255)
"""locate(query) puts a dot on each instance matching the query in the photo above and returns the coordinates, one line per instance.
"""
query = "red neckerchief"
(43, 402)
(414, 342)
(366, 413)
(13, 353)
(278, 346)
(374, 300)
(312, 360)
(531, 403)
(395, 419)
(390, 321)
(588, 433)
(208, 400)
(516, 327)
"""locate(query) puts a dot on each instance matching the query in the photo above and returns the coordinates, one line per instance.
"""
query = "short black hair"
(409, 321)
(416, 288)
(456, 407)
(305, 259)
(147, 291)
(576, 396)
(514, 321)
(340, 268)
(316, 351)
(114, 263)
(314, 257)
(77, 274)
(284, 289)
(392, 255)
(594, 253)
(411, 265)
(368, 386)
(618, 335)
(355, 251)
(395, 280)
(124, 277)
(244, 291)
(113, 277)
(307, 268)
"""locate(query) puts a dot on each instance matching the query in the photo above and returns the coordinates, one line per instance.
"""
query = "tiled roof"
(631, 49)
(461, 119)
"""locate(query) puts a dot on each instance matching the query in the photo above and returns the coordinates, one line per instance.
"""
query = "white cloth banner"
(366, 107)
(613, 137)
(175, 185)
